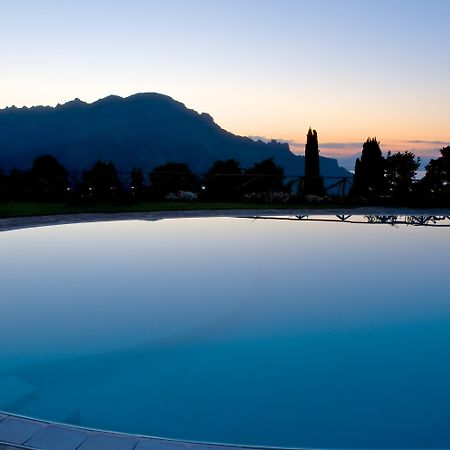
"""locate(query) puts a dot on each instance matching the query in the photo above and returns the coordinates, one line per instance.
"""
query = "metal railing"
(371, 219)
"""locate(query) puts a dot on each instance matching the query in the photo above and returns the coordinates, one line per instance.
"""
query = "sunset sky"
(270, 68)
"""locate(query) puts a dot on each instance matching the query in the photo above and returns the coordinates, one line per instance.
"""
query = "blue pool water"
(266, 332)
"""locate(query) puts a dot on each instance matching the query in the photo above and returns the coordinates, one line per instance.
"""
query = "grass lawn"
(21, 209)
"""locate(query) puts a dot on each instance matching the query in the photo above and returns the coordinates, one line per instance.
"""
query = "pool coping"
(17, 223)
(19, 432)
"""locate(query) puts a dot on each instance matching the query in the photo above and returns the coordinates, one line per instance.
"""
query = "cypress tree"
(368, 180)
(312, 182)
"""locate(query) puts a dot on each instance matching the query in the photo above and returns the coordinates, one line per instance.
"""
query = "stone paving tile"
(160, 444)
(11, 447)
(103, 441)
(214, 447)
(58, 437)
(16, 430)
(224, 447)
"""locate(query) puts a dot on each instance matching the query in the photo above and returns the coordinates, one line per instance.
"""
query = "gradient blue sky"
(268, 68)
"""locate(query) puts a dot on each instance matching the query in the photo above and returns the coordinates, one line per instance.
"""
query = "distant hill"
(143, 130)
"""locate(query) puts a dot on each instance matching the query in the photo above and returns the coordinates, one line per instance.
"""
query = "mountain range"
(142, 131)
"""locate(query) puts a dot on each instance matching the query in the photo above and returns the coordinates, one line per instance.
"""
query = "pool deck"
(18, 432)
(17, 223)
(23, 433)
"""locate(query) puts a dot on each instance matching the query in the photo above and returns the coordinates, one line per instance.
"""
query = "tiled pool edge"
(17, 223)
(18, 432)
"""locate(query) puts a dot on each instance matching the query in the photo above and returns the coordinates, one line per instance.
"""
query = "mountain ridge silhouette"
(143, 130)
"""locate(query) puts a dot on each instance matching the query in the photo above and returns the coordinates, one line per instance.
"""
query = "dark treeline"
(392, 178)
(48, 180)
(377, 179)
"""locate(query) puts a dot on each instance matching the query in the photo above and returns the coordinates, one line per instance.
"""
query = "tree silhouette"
(368, 180)
(15, 184)
(101, 182)
(264, 177)
(400, 172)
(137, 183)
(436, 182)
(223, 182)
(137, 178)
(47, 178)
(172, 178)
(312, 182)
(3, 185)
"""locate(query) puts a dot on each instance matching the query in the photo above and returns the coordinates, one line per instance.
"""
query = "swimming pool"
(266, 332)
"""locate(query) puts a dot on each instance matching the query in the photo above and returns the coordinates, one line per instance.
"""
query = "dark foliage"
(368, 180)
(224, 181)
(172, 178)
(436, 183)
(265, 176)
(137, 183)
(16, 185)
(3, 179)
(378, 179)
(400, 172)
(137, 178)
(101, 182)
(47, 178)
(312, 182)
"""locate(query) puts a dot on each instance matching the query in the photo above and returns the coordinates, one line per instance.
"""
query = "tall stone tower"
(312, 182)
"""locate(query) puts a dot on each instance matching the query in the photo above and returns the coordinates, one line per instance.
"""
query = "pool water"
(265, 332)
